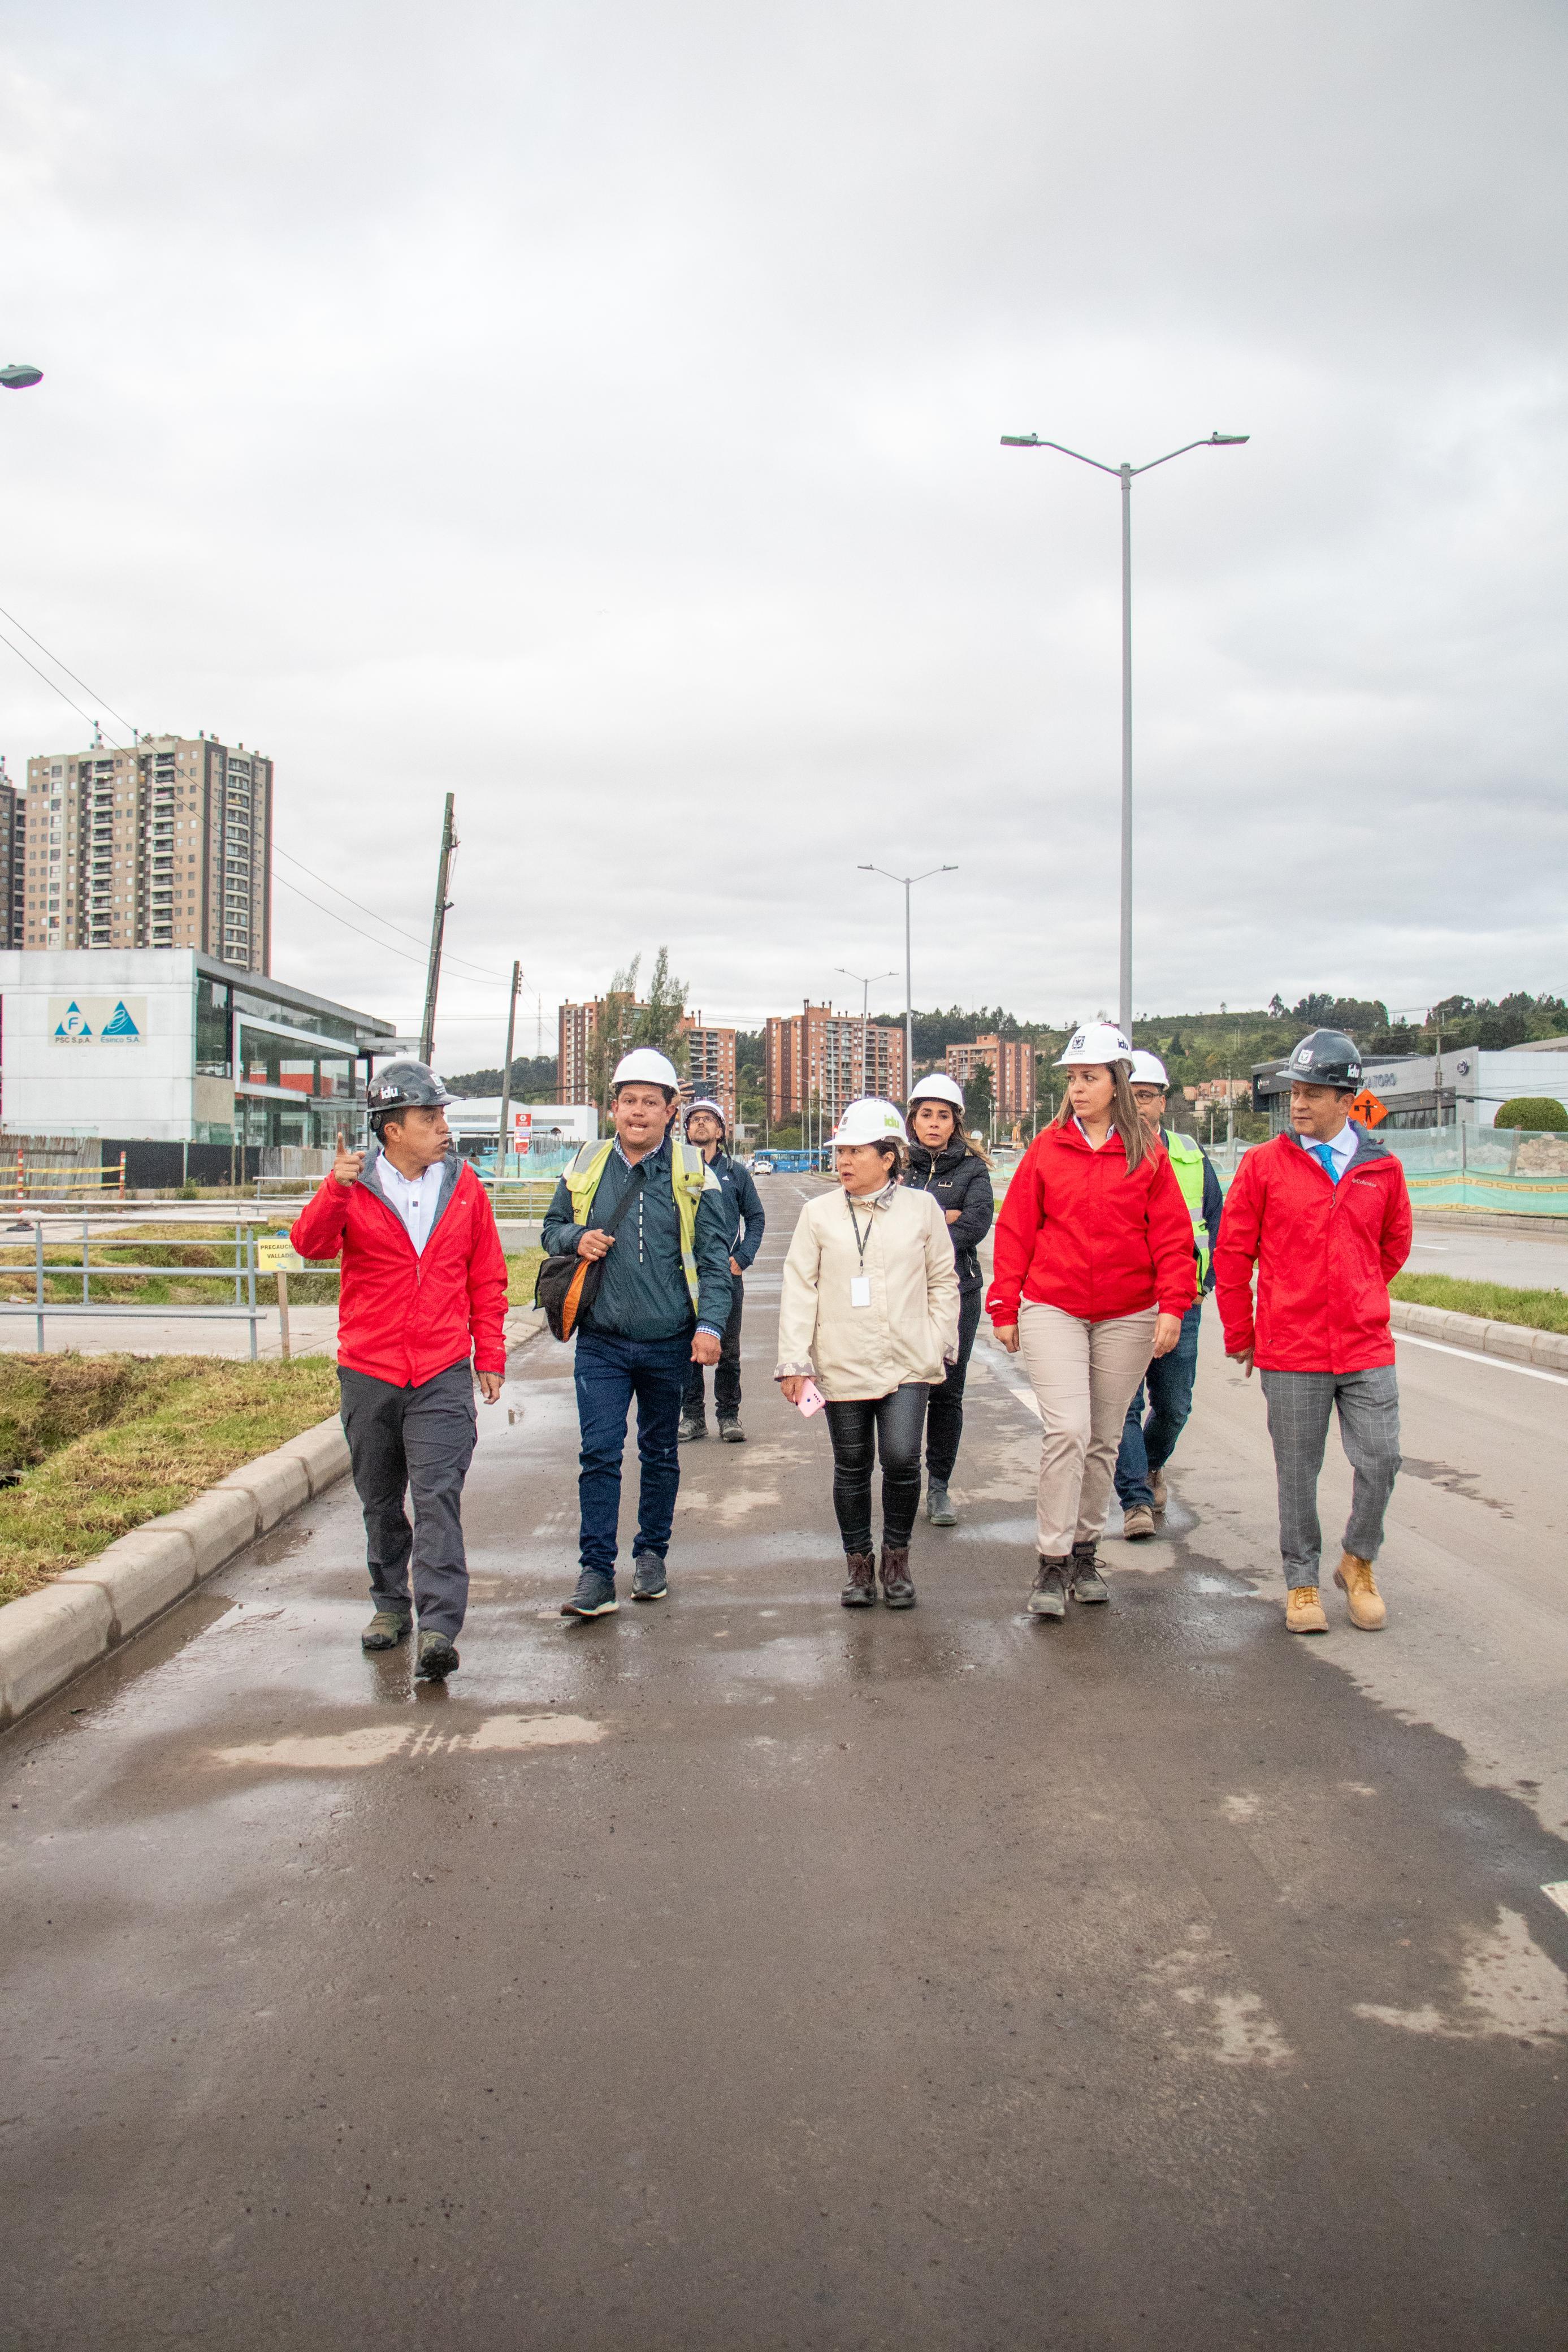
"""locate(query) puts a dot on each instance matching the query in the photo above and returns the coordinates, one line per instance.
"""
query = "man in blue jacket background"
(705, 1129)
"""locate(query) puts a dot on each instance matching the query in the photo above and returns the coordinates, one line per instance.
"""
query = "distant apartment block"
(165, 844)
(1010, 1061)
(812, 1060)
(712, 1065)
(13, 859)
(576, 1040)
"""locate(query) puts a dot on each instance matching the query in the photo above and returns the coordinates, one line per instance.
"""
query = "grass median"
(1494, 1302)
(90, 1446)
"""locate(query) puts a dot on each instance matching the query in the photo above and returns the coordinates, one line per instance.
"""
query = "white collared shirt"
(1342, 1145)
(413, 1197)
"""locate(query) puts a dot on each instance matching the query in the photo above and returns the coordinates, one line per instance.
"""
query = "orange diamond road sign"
(1367, 1108)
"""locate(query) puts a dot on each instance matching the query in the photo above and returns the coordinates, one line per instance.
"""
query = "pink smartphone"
(811, 1399)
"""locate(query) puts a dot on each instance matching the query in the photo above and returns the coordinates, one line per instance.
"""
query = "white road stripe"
(1557, 1892)
(1473, 1356)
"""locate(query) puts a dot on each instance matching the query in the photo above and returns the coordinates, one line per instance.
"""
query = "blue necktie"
(1324, 1152)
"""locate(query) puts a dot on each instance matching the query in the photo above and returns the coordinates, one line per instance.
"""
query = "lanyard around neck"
(856, 1222)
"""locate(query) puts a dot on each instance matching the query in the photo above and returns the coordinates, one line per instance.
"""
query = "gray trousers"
(1300, 1406)
(417, 1441)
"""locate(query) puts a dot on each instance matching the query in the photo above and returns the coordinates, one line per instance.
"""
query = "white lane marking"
(1557, 1892)
(1473, 1356)
(378, 1743)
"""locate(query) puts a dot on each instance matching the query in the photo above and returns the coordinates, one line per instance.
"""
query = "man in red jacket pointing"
(423, 1287)
(1324, 1212)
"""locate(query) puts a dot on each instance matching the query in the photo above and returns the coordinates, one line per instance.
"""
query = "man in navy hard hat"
(661, 1305)
(1324, 1215)
(1148, 1444)
(422, 1310)
(704, 1126)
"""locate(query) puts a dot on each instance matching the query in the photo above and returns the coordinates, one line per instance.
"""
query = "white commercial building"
(541, 1128)
(169, 1045)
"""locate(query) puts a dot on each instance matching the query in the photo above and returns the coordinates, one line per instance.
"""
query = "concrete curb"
(1516, 1341)
(47, 1638)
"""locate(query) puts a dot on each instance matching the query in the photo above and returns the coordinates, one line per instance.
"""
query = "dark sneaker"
(897, 1590)
(386, 1629)
(1088, 1584)
(859, 1592)
(648, 1577)
(594, 1597)
(693, 1427)
(437, 1658)
(731, 1431)
(938, 1510)
(1048, 1598)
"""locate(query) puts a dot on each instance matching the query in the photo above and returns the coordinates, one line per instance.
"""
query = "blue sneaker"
(594, 1597)
(648, 1577)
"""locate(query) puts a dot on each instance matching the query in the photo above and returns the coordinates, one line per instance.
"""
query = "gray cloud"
(595, 411)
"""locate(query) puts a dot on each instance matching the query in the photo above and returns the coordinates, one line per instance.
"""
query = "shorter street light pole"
(907, 883)
(1124, 474)
(506, 1073)
(866, 981)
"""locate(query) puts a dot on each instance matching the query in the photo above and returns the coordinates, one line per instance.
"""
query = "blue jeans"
(1147, 1445)
(610, 1372)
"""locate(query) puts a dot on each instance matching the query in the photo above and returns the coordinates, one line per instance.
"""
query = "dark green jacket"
(643, 1294)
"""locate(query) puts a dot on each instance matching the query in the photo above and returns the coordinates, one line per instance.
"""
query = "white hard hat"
(938, 1087)
(704, 1102)
(870, 1120)
(646, 1065)
(1147, 1070)
(1097, 1041)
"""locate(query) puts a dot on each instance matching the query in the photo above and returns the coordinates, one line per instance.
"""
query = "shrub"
(1540, 1114)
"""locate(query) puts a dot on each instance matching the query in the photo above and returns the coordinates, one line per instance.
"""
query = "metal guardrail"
(241, 1274)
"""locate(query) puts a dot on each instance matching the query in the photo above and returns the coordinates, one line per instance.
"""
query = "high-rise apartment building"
(165, 844)
(12, 866)
(576, 1044)
(712, 1066)
(813, 1061)
(1010, 1061)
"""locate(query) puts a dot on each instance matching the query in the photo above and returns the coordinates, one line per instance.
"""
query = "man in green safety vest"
(1148, 1444)
(645, 1204)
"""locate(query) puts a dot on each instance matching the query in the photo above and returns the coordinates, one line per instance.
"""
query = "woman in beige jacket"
(870, 1308)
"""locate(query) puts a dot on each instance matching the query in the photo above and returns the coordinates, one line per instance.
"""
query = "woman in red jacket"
(1094, 1270)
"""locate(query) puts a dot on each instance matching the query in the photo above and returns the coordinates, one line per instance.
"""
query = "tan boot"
(1304, 1610)
(1367, 1606)
(1157, 1482)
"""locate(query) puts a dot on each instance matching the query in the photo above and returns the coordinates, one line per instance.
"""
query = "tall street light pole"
(1124, 474)
(906, 882)
(866, 982)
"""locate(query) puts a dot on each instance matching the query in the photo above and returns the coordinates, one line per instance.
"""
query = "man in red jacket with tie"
(1324, 1214)
(424, 1289)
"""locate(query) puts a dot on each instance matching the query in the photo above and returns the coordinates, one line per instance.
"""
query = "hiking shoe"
(938, 1510)
(897, 1590)
(1157, 1481)
(1088, 1584)
(437, 1658)
(386, 1629)
(693, 1427)
(594, 1597)
(859, 1592)
(648, 1577)
(1048, 1598)
(1304, 1610)
(731, 1431)
(1367, 1606)
(1137, 1522)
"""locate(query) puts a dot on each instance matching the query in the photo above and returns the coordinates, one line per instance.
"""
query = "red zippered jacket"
(1079, 1230)
(405, 1316)
(1326, 1254)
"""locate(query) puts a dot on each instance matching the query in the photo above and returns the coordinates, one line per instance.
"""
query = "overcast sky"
(593, 409)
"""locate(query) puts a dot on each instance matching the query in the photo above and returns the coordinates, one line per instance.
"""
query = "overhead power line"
(70, 673)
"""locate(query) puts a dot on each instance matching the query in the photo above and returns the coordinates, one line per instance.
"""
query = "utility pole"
(437, 930)
(506, 1073)
(907, 882)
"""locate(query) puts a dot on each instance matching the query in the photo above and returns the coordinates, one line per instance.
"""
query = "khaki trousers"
(1084, 1376)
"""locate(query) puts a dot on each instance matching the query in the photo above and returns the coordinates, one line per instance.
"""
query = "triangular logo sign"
(73, 1026)
(122, 1025)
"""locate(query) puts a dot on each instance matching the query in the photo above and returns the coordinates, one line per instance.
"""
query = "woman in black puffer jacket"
(944, 1163)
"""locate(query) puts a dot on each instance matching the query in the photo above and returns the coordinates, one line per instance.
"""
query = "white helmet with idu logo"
(644, 1065)
(870, 1120)
(1097, 1042)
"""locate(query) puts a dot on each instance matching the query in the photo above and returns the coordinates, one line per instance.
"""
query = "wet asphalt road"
(737, 1972)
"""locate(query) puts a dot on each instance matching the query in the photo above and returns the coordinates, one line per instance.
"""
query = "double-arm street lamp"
(907, 883)
(1125, 475)
(866, 981)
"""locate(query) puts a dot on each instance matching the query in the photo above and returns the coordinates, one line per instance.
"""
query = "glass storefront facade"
(298, 1067)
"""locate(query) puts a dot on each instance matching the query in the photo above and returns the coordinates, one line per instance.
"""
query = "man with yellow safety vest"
(1147, 1445)
(647, 1205)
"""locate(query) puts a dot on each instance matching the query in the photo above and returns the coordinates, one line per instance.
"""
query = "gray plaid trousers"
(1300, 1407)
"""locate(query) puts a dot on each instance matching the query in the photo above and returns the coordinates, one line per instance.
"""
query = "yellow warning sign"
(276, 1253)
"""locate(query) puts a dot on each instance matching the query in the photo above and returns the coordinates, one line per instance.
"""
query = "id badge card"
(860, 1290)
